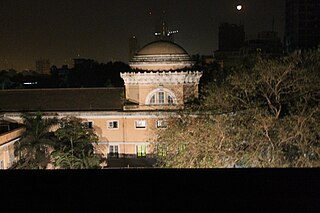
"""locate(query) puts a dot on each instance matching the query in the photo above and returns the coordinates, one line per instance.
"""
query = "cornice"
(169, 77)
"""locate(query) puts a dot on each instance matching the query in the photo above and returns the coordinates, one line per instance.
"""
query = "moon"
(239, 7)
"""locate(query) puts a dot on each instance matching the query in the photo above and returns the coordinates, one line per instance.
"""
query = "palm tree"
(34, 146)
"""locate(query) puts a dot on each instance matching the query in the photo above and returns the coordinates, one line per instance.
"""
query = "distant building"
(82, 63)
(207, 59)
(233, 47)
(302, 29)
(267, 44)
(43, 66)
(231, 39)
(79, 61)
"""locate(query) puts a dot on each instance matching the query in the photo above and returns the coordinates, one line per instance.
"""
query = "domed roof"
(161, 48)
(161, 55)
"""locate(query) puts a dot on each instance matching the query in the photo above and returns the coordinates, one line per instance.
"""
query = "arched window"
(170, 99)
(161, 96)
(153, 99)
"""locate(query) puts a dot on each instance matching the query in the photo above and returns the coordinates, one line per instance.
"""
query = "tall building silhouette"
(231, 37)
(267, 44)
(43, 66)
(302, 29)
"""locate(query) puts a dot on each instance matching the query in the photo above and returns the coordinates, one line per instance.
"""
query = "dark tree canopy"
(264, 115)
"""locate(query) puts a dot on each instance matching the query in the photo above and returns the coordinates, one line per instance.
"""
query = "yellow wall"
(126, 136)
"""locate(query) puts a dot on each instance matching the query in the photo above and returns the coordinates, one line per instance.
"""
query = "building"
(43, 66)
(10, 131)
(302, 30)
(233, 46)
(267, 44)
(125, 119)
(231, 39)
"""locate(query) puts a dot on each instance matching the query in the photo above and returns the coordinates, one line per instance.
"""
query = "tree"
(5, 79)
(75, 149)
(33, 148)
(265, 116)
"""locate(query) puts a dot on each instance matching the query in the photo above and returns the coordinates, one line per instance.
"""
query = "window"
(170, 99)
(113, 124)
(162, 124)
(88, 124)
(141, 151)
(153, 99)
(161, 97)
(141, 124)
(114, 151)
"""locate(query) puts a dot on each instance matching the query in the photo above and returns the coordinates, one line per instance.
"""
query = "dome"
(161, 47)
(161, 55)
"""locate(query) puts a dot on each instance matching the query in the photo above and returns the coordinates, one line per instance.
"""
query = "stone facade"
(181, 86)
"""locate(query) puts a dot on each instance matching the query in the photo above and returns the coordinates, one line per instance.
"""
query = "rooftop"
(78, 99)
(161, 48)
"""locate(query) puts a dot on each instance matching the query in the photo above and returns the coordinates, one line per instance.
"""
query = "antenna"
(164, 33)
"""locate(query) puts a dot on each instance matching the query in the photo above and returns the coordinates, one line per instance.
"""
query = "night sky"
(61, 30)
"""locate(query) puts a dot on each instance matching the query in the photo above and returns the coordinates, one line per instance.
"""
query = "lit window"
(161, 97)
(161, 124)
(141, 151)
(88, 124)
(114, 151)
(113, 124)
(140, 124)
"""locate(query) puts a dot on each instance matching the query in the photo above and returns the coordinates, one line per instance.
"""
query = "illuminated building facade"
(126, 119)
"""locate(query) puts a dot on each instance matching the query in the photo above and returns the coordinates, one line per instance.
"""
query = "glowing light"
(30, 83)
(239, 7)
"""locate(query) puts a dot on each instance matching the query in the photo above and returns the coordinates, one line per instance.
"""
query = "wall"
(7, 141)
